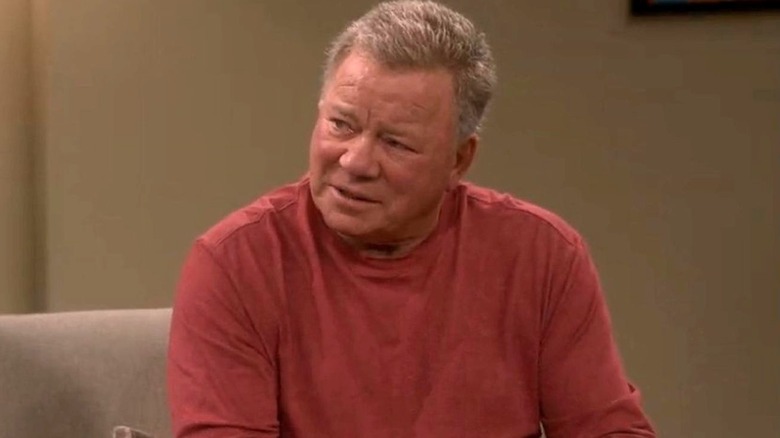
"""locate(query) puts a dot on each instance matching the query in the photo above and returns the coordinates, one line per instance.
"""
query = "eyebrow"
(343, 110)
(400, 129)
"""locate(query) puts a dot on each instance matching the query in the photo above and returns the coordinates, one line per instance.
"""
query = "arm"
(222, 370)
(584, 390)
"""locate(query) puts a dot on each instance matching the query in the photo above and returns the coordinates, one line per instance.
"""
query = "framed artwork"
(650, 7)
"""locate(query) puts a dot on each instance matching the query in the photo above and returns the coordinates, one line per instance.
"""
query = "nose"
(359, 158)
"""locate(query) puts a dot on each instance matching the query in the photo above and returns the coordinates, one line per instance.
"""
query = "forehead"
(359, 79)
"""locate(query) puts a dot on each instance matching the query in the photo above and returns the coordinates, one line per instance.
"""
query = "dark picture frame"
(653, 7)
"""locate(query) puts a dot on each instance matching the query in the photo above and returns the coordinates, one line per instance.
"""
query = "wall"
(16, 180)
(657, 138)
(660, 140)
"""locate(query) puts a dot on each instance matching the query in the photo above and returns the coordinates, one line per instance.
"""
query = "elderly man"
(381, 296)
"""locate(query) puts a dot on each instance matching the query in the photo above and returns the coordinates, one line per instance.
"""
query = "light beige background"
(127, 127)
(16, 165)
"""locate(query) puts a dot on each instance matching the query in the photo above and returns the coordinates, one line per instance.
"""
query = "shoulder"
(506, 214)
(267, 213)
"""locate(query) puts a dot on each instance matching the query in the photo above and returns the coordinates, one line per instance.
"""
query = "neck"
(392, 250)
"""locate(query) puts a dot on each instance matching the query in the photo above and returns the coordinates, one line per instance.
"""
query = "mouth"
(352, 195)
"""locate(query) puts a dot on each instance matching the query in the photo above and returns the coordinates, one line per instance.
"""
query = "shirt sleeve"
(222, 373)
(583, 387)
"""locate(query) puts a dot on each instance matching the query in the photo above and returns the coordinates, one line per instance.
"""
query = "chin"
(347, 225)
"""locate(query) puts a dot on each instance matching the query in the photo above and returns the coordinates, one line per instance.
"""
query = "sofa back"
(79, 374)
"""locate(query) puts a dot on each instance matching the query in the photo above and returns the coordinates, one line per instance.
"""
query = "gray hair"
(425, 34)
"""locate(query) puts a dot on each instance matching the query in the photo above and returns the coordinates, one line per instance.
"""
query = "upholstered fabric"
(80, 374)
(129, 432)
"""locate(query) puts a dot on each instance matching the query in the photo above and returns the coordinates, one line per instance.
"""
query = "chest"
(448, 348)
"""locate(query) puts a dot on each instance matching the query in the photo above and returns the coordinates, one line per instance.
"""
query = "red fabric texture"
(495, 324)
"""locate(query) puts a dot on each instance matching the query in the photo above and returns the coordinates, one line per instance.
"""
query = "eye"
(339, 126)
(395, 144)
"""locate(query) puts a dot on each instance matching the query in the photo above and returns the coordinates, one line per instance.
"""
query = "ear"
(464, 156)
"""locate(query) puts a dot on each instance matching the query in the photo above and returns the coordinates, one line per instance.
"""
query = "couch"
(81, 374)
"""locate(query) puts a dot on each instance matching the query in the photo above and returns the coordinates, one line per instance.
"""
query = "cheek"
(418, 190)
(322, 152)
(410, 184)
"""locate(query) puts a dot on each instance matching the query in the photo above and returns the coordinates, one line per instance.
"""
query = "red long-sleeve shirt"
(492, 325)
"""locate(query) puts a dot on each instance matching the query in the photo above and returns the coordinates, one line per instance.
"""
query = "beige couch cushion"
(129, 432)
(79, 374)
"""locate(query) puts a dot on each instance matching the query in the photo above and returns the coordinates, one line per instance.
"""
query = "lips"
(353, 195)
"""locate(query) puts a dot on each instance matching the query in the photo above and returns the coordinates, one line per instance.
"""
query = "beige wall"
(16, 182)
(658, 138)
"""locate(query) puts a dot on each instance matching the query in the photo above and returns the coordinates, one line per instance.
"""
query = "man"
(381, 296)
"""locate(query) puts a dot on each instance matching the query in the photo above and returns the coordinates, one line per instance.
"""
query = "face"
(384, 150)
